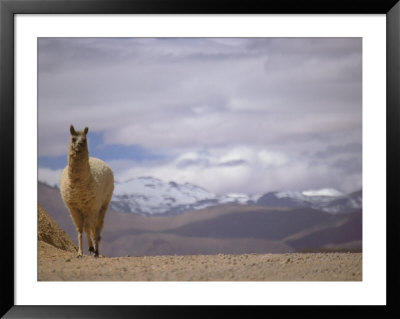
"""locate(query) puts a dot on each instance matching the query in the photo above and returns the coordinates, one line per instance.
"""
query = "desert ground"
(58, 265)
(57, 261)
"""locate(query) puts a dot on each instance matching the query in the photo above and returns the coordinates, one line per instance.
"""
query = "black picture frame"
(9, 8)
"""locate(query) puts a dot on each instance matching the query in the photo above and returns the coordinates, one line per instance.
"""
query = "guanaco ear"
(86, 130)
(72, 130)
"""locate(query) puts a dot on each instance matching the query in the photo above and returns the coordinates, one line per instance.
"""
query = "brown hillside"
(49, 232)
(50, 199)
(228, 228)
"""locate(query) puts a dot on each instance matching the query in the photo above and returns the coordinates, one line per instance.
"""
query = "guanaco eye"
(74, 139)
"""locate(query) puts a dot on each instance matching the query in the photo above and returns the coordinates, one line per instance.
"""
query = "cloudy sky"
(246, 115)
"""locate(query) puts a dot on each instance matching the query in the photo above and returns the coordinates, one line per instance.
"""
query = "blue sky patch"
(98, 149)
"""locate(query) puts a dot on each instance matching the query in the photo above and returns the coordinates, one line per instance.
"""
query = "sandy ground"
(55, 264)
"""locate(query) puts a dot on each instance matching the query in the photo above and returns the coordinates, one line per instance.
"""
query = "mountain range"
(149, 217)
(150, 196)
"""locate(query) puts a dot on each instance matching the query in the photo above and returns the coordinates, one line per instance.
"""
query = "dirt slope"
(50, 233)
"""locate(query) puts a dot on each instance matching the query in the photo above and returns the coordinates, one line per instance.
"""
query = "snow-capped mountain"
(345, 203)
(327, 200)
(152, 196)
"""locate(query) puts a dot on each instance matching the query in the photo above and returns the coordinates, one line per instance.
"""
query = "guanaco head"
(78, 142)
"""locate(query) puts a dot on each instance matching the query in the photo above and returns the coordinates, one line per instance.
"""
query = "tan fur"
(86, 186)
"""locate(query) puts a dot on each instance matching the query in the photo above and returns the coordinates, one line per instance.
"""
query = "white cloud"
(283, 99)
(272, 158)
(323, 192)
(49, 176)
(241, 170)
(233, 170)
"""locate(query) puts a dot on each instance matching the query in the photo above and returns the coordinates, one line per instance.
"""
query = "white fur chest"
(79, 194)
